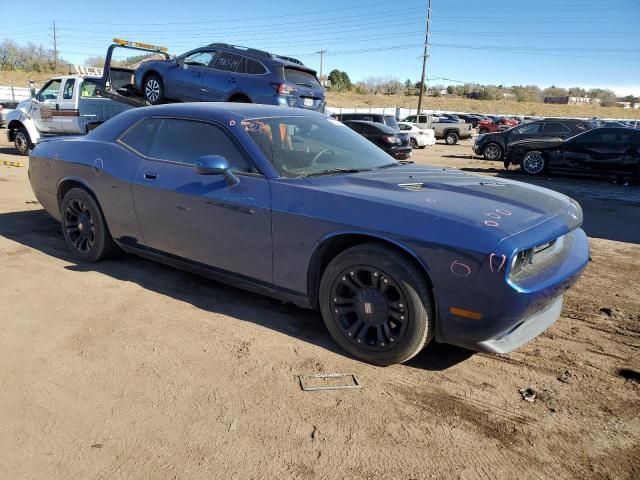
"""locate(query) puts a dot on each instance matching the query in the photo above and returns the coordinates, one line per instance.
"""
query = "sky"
(587, 43)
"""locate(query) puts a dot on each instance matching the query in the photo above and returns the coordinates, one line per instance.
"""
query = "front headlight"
(520, 260)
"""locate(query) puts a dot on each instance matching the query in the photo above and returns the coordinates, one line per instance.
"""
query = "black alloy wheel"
(84, 228)
(376, 303)
(80, 226)
(369, 308)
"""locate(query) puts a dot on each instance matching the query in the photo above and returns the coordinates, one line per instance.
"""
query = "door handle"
(149, 176)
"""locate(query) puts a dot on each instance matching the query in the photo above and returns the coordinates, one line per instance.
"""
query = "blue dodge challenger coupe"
(293, 204)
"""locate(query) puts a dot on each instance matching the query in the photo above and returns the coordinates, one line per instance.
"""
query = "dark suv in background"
(492, 146)
(227, 73)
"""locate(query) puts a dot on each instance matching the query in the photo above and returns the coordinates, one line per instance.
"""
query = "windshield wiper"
(333, 171)
(397, 164)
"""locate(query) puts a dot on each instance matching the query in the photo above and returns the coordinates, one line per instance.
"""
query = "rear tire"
(451, 138)
(84, 228)
(153, 89)
(533, 163)
(376, 304)
(22, 141)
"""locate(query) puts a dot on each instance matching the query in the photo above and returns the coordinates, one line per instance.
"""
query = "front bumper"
(516, 311)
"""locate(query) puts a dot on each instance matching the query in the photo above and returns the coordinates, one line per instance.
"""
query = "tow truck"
(75, 104)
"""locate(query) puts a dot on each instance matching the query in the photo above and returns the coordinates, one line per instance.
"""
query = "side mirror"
(216, 165)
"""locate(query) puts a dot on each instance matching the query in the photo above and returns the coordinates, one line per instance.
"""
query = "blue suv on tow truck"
(220, 72)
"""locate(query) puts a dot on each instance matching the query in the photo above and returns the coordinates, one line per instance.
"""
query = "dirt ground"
(130, 369)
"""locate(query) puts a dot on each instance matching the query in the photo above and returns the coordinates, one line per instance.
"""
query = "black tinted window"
(140, 136)
(529, 129)
(227, 62)
(186, 141)
(255, 68)
(555, 128)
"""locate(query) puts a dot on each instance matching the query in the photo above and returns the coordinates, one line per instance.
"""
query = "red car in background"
(496, 124)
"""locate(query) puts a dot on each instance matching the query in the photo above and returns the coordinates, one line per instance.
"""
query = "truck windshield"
(305, 146)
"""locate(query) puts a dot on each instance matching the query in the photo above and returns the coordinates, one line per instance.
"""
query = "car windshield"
(309, 146)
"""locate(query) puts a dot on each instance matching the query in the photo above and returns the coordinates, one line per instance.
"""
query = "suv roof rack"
(254, 51)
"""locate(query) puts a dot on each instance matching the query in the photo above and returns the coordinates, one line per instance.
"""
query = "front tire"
(533, 163)
(376, 304)
(22, 141)
(451, 138)
(153, 89)
(414, 143)
(84, 228)
(492, 152)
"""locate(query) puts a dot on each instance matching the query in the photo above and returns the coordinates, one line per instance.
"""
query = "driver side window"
(49, 91)
(198, 59)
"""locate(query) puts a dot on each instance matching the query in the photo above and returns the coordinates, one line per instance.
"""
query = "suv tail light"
(283, 88)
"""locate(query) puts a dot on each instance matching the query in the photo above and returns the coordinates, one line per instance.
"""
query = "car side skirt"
(222, 276)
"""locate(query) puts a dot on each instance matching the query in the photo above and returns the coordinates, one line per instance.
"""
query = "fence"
(14, 93)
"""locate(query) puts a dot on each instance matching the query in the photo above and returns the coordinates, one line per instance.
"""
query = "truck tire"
(153, 89)
(451, 138)
(22, 141)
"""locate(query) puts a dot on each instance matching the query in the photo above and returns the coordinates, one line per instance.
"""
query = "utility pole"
(55, 47)
(321, 52)
(425, 57)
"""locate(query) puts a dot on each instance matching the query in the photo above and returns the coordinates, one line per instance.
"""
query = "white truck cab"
(68, 105)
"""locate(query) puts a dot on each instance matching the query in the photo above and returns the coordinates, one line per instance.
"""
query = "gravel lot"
(130, 369)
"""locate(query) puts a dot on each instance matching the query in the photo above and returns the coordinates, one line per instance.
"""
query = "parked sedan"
(295, 205)
(492, 146)
(226, 73)
(418, 137)
(601, 151)
(388, 139)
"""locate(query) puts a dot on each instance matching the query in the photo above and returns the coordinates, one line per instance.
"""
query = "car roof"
(380, 126)
(228, 113)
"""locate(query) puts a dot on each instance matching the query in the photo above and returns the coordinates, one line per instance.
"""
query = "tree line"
(27, 58)
(389, 85)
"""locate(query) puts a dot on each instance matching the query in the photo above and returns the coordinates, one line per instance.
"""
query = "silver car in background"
(419, 137)
(6, 106)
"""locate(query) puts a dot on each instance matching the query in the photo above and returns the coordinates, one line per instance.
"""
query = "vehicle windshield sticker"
(253, 126)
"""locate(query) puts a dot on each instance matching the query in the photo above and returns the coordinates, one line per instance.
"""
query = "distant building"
(509, 96)
(566, 100)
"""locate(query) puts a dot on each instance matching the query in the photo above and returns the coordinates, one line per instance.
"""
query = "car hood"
(503, 207)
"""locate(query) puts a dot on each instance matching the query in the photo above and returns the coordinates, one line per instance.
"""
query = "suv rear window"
(300, 77)
(391, 121)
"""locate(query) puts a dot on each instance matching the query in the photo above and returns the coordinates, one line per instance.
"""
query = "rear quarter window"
(140, 137)
(255, 68)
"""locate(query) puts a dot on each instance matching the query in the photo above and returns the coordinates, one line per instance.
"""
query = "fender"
(21, 118)
(74, 180)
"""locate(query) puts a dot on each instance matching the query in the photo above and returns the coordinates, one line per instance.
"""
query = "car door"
(201, 218)
(596, 151)
(556, 130)
(66, 110)
(222, 80)
(185, 80)
(44, 105)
